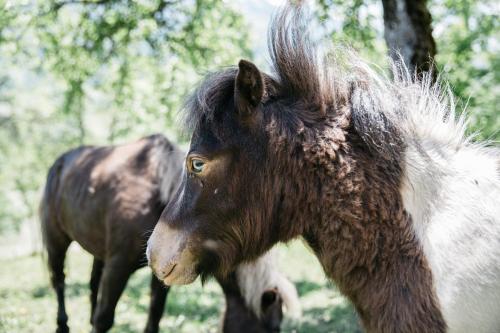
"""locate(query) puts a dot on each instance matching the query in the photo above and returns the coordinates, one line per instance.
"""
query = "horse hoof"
(62, 329)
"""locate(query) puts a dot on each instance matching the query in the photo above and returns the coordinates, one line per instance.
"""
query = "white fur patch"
(256, 277)
(451, 189)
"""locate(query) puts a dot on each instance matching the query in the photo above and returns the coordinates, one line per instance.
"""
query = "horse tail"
(47, 208)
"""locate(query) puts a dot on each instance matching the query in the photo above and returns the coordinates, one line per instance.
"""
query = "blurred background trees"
(78, 72)
(105, 71)
(467, 38)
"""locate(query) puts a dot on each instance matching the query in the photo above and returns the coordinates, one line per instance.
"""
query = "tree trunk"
(408, 33)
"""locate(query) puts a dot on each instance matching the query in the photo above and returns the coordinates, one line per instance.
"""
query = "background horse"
(108, 199)
(378, 176)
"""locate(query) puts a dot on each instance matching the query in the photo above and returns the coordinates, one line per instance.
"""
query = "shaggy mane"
(385, 113)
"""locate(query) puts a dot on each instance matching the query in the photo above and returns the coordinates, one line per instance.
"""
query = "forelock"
(210, 95)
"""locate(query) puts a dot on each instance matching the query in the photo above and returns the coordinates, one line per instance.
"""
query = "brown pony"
(108, 199)
(377, 176)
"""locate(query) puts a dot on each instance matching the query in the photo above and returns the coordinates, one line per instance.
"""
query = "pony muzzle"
(169, 256)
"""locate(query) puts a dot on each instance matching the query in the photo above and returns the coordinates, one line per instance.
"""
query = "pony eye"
(197, 165)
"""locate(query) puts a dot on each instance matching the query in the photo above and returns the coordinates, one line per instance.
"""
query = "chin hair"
(209, 265)
(217, 259)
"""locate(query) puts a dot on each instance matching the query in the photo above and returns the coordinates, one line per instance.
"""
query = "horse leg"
(57, 245)
(113, 281)
(95, 278)
(157, 304)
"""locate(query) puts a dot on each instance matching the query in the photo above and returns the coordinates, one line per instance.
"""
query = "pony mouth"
(179, 275)
(170, 271)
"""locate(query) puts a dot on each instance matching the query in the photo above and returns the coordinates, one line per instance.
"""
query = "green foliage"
(81, 72)
(468, 59)
(355, 23)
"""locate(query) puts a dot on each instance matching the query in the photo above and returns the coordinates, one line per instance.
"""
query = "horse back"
(106, 198)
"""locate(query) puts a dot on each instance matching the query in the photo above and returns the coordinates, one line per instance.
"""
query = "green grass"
(28, 304)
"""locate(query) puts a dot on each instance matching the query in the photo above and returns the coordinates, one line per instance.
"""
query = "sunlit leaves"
(98, 71)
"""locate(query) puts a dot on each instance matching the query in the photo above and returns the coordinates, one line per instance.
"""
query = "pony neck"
(345, 201)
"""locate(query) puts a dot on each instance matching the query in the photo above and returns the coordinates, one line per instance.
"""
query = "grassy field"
(28, 304)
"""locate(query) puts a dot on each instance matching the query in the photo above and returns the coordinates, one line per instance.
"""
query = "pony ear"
(249, 88)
